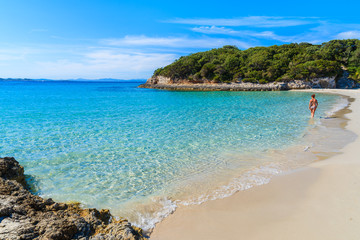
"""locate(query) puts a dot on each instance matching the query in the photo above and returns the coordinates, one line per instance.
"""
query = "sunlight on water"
(112, 145)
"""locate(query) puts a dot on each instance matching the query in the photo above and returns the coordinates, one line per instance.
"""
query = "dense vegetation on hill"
(267, 64)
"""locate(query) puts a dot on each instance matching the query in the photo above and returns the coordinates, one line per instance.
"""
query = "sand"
(320, 201)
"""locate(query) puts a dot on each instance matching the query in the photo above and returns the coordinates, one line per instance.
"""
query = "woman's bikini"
(313, 104)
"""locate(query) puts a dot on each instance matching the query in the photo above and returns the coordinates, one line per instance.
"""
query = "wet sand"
(320, 201)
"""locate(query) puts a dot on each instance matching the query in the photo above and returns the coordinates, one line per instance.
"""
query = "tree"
(274, 63)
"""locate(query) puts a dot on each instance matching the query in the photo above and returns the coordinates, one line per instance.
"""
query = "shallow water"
(140, 152)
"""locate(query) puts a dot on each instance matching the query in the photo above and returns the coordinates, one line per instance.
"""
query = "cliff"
(26, 216)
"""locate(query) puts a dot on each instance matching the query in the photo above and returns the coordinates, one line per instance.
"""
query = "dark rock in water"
(26, 216)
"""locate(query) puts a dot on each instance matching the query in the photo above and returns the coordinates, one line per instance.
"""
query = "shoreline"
(243, 86)
(313, 202)
(24, 215)
(217, 87)
(166, 83)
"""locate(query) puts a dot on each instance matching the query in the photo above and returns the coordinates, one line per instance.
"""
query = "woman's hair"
(313, 96)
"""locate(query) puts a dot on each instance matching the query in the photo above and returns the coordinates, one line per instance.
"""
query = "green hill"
(268, 64)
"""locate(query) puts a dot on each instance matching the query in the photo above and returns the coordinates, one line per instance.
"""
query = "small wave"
(260, 175)
(149, 218)
(341, 104)
(161, 207)
(252, 178)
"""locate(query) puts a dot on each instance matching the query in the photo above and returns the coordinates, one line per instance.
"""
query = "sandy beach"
(320, 201)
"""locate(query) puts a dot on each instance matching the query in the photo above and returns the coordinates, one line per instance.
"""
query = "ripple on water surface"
(112, 145)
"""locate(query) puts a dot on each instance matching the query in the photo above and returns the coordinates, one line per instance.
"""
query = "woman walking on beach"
(313, 105)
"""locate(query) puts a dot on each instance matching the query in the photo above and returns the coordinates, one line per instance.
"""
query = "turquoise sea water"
(139, 151)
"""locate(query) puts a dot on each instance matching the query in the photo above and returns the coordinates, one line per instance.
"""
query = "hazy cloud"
(323, 31)
(215, 30)
(175, 42)
(252, 21)
(108, 63)
(348, 35)
(137, 56)
(87, 62)
(232, 32)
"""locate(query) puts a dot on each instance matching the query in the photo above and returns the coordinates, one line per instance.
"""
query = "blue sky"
(69, 39)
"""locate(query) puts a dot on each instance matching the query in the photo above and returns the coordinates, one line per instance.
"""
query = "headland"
(332, 64)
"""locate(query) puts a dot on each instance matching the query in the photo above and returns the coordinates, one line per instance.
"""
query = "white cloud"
(145, 41)
(232, 32)
(123, 58)
(215, 30)
(175, 42)
(244, 34)
(135, 62)
(92, 62)
(137, 56)
(348, 35)
(252, 21)
(106, 64)
(323, 32)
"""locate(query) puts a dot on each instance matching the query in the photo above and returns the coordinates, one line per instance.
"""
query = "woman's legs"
(313, 112)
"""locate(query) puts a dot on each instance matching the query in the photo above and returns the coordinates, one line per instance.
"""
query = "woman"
(313, 105)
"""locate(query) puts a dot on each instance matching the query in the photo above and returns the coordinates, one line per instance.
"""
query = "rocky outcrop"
(160, 82)
(10, 169)
(26, 216)
(217, 86)
(325, 82)
(344, 82)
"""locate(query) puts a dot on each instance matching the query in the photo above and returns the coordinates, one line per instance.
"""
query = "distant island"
(333, 64)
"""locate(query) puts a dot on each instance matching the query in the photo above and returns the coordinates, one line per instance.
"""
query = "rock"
(26, 216)
(326, 82)
(161, 82)
(10, 169)
(345, 82)
(298, 84)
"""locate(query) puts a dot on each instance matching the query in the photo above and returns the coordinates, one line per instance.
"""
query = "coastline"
(217, 87)
(167, 84)
(314, 202)
(24, 215)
